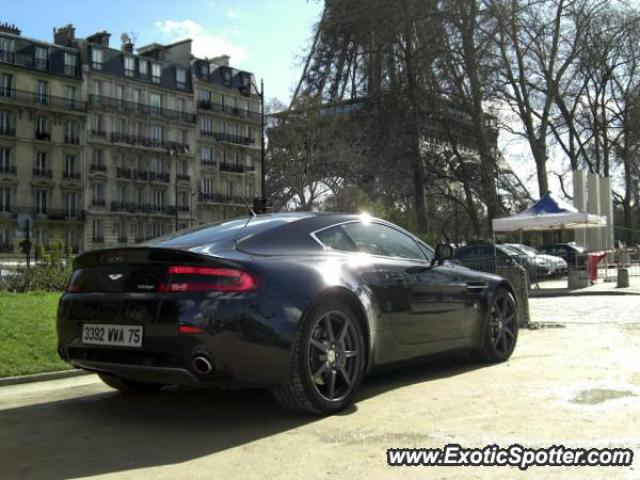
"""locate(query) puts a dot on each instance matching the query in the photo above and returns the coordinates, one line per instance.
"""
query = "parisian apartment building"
(105, 145)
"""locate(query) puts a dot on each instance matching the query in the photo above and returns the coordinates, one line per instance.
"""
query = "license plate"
(115, 335)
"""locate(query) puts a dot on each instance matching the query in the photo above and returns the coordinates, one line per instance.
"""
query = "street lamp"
(172, 150)
(259, 205)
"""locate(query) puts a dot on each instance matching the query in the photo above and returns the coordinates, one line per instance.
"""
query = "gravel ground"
(576, 381)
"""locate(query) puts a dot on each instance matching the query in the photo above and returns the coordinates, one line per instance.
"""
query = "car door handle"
(477, 285)
(417, 269)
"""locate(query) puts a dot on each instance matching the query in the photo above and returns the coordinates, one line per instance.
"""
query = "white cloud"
(232, 13)
(204, 43)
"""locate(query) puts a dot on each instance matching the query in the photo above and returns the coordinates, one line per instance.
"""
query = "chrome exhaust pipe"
(202, 365)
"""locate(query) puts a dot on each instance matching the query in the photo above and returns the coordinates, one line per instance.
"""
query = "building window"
(184, 136)
(129, 66)
(158, 198)
(70, 64)
(41, 163)
(143, 68)
(7, 49)
(181, 78)
(137, 129)
(71, 96)
(5, 160)
(96, 88)
(98, 194)
(208, 185)
(180, 105)
(70, 200)
(155, 101)
(42, 92)
(97, 58)
(71, 132)
(5, 199)
(206, 155)
(70, 162)
(206, 125)
(98, 235)
(6, 80)
(42, 58)
(6, 127)
(41, 200)
(204, 70)
(98, 160)
(122, 193)
(226, 76)
(157, 133)
(156, 72)
(119, 94)
(42, 128)
(204, 97)
(183, 200)
(157, 165)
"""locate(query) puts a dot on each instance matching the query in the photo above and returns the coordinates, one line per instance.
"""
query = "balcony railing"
(72, 139)
(159, 177)
(10, 131)
(123, 172)
(60, 214)
(98, 133)
(8, 169)
(123, 240)
(210, 163)
(29, 61)
(23, 96)
(229, 110)
(183, 177)
(112, 103)
(146, 208)
(98, 202)
(140, 175)
(148, 142)
(228, 137)
(98, 168)
(71, 175)
(230, 167)
(219, 198)
(6, 248)
(97, 239)
(44, 136)
(42, 172)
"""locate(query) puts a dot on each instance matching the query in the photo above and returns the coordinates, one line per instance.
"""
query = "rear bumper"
(248, 343)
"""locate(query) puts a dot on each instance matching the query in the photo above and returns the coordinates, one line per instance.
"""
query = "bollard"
(623, 278)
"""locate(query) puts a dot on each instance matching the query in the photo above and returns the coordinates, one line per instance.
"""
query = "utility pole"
(262, 152)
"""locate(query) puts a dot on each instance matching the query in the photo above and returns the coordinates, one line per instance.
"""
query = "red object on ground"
(594, 259)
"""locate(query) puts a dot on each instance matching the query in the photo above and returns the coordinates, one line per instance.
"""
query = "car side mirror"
(444, 251)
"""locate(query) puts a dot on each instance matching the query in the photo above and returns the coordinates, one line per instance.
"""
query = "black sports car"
(305, 304)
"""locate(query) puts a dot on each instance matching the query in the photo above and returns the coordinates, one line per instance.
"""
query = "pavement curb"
(577, 293)
(42, 377)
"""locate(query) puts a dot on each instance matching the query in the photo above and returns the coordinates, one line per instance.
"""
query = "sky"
(266, 37)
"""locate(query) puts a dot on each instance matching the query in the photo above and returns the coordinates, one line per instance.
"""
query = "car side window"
(337, 239)
(378, 239)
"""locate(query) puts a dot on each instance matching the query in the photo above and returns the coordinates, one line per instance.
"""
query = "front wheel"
(327, 363)
(128, 385)
(501, 331)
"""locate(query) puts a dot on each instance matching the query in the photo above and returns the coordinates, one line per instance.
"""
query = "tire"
(327, 363)
(501, 329)
(129, 386)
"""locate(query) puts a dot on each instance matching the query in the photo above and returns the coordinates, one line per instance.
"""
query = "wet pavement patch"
(595, 396)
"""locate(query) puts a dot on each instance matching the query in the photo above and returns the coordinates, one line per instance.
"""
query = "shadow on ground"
(111, 432)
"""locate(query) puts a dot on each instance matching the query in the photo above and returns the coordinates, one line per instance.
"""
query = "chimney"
(64, 36)
(221, 60)
(6, 28)
(100, 38)
(127, 44)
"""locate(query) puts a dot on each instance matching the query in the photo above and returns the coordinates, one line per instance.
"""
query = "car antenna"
(251, 212)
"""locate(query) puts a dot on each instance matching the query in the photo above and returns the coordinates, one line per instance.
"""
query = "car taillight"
(74, 284)
(185, 278)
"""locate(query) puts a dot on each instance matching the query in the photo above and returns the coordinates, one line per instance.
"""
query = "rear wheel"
(328, 361)
(501, 332)
(128, 385)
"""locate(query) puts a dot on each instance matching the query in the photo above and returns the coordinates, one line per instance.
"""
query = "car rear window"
(226, 230)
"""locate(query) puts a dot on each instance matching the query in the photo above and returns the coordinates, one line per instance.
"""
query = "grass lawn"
(28, 333)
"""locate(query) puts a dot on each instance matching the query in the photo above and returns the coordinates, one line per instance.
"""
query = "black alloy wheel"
(328, 361)
(501, 332)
